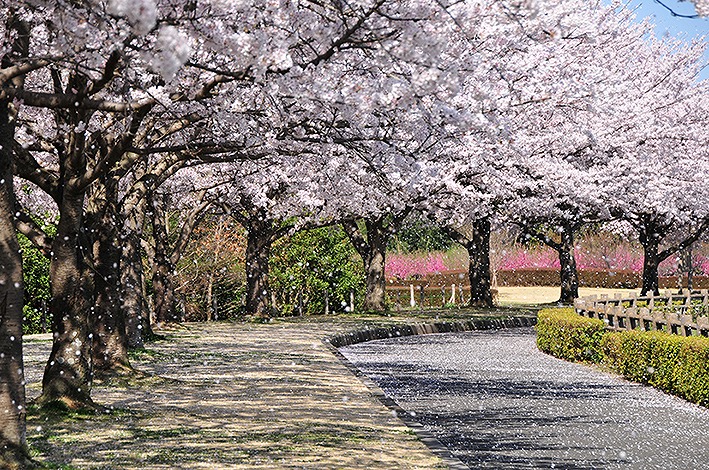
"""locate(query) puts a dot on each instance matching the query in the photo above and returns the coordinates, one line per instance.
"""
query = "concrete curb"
(384, 332)
(370, 334)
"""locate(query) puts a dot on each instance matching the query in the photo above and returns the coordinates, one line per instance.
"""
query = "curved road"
(497, 402)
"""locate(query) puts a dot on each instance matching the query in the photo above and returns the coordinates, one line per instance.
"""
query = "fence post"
(351, 301)
(412, 302)
(452, 294)
(327, 302)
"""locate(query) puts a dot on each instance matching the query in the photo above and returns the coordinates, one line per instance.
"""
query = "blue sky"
(665, 23)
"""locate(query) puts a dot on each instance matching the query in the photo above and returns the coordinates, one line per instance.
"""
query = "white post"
(351, 301)
(452, 301)
(412, 302)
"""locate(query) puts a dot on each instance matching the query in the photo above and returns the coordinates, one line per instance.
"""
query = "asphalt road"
(497, 402)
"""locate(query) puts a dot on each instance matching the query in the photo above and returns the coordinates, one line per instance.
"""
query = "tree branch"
(355, 235)
(194, 216)
(542, 237)
(29, 228)
(72, 101)
(26, 167)
(10, 73)
(667, 252)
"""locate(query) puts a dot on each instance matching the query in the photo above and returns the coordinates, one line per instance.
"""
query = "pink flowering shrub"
(618, 258)
(406, 266)
(605, 256)
(524, 259)
(702, 264)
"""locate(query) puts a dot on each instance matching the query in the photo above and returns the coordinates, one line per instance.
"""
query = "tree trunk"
(12, 383)
(568, 272)
(109, 345)
(136, 318)
(68, 374)
(165, 302)
(651, 264)
(258, 251)
(373, 253)
(374, 297)
(163, 289)
(479, 264)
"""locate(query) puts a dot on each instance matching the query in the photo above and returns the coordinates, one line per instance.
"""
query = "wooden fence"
(550, 277)
(683, 314)
(418, 296)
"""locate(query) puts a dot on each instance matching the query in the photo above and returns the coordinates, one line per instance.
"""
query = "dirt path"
(231, 396)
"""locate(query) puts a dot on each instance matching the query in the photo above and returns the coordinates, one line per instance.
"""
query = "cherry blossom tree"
(106, 98)
(654, 176)
(13, 453)
(12, 389)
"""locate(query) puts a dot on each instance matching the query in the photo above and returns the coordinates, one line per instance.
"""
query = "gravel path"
(497, 402)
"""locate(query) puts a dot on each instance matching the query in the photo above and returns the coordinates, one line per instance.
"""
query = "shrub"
(37, 295)
(414, 265)
(306, 265)
(566, 335)
(675, 364)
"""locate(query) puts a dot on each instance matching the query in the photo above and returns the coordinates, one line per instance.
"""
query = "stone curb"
(369, 334)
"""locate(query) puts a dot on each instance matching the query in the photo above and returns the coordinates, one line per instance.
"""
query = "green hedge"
(565, 334)
(675, 364)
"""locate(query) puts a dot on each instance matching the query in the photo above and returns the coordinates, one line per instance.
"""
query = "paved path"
(497, 402)
(232, 396)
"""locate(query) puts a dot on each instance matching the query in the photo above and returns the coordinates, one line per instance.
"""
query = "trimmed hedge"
(675, 364)
(566, 335)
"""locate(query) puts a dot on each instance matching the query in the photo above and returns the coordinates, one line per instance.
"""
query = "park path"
(231, 396)
(497, 402)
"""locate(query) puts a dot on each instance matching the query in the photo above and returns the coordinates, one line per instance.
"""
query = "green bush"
(35, 275)
(566, 335)
(675, 364)
(672, 363)
(311, 262)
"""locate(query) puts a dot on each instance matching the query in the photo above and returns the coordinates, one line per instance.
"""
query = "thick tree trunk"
(109, 345)
(372, 250)
(163, 269)
(651, 264)
(12, 382)
(68, 373)
(568, 272)
(258, 251)
(163, 290)
(479, 264)
(136, 318)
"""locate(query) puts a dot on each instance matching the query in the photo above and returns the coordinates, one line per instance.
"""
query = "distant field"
(545, 295)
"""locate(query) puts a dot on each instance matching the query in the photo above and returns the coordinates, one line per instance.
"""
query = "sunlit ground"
(511, 296)
(243, 395)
